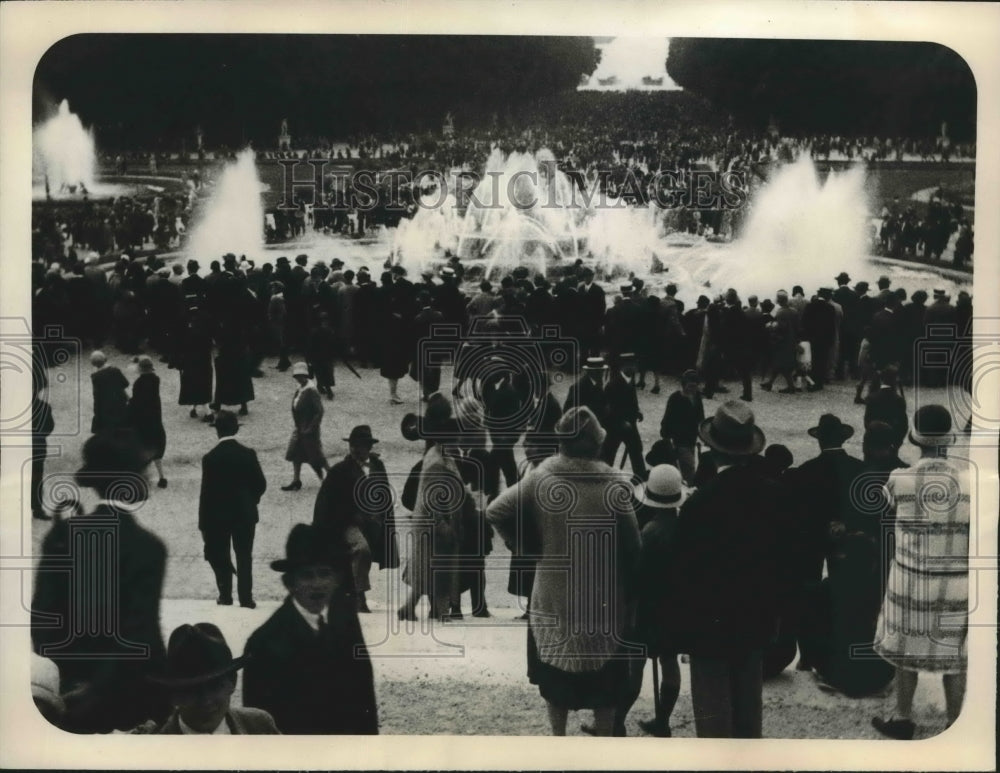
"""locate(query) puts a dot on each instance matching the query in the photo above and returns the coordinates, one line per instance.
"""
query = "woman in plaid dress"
(923, 622)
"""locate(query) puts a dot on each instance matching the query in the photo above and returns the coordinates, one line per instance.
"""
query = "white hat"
(300, 369)
(664, 488)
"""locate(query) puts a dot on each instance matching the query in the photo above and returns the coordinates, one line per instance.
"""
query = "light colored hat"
(664, 489)
(580, 433)
(98, 358)
(92, 257)
(300, 369)
(45, 682)
(732, 430)
(595, 363)
(145, 364)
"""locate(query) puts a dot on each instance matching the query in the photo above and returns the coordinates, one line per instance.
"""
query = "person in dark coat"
(887, 404)
(425, 371)
(233, 380)
(42, 425)
(683, 415)
(823, 488)
(104, 668)
(784, 338)
(354, 508)
(659, 501)
(146, 416)
(819, 326)
(592, 307)
(725, 579)
(308, 665)
(321, 345)
(396, 348)
(232, 484)
(850, 332)
(305, 444)
(195, 363)
(110, 399)
(588, 390)
(623, 414)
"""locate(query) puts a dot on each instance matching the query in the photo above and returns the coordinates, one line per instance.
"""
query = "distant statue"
(284, 139)
(199, 138)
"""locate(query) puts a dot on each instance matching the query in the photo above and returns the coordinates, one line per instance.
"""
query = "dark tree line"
(846, 87)
(144, 88)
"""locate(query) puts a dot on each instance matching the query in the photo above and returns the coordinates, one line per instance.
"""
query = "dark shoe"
(900, 729)
(40, 515)
(588, 729)
(789, 391)
(295, 485)
(814, 388)
(224, 602)
(243, 411)
(406, 614)
(655, 390)
(193, 414)
(859, 400)
(454, 614)
(161, 483)
(208, 419)
(766, 386)
(249, 605)
(482, 613)
(655, 728)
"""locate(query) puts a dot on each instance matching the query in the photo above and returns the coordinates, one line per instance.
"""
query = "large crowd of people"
(717, 546)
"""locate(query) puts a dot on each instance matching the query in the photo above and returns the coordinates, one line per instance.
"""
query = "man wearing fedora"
(623, 414)
(200, 677)
(232, 484)
(308, 665)
(724, 578)
(822, 492)
(353, 507)
(683, 415)
(588, 390)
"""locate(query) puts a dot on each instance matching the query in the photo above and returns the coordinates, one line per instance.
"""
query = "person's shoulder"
(254, 721)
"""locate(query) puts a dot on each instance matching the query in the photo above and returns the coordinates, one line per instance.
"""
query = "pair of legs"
(906, 685)
(394, 397)
(161, 482)
(727, 695)
(629, 435)
(604, 720)
(241, 539)
(297, 474)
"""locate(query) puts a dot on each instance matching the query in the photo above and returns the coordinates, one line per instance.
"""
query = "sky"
(629, 59)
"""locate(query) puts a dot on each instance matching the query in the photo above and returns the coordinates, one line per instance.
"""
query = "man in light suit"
(232, 484)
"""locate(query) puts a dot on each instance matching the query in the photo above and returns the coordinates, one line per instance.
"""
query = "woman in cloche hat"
(305, 444)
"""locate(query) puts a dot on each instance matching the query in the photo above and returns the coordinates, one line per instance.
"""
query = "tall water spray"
(233, 218)
(64, 151)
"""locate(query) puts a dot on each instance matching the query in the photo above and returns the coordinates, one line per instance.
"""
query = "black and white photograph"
(497, 381)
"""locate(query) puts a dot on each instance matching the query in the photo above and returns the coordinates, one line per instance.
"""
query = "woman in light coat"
(575, 513)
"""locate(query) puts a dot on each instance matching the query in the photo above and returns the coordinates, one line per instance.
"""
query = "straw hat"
(732, 430)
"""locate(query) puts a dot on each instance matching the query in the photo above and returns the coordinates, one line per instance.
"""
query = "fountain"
(64, 154)
(233, 217)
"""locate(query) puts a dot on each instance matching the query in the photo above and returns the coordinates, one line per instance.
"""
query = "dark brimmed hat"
(830, 427)
(861, 286)
(626, 289)
(732, 430)
(878, 434)
(308, 546)
(361, 434)
(843, 277)
(193, 265)
(197, 654)
(932, 427)
(690, 376)
(281, 260)
(433, 423)
(302, 259)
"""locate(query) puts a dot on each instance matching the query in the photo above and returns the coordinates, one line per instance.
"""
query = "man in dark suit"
(819, 326)
(623, 415)
(821, 489)
(232, 484)
(850, 334)
(887, 404)
(683, 415)
(354, 508)
(592, 309)
(110, 400)
(589, 390)
(106, 640)
(308, 665)
(725, 579)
